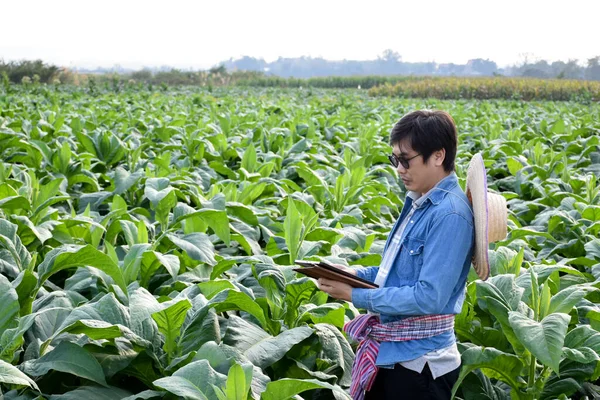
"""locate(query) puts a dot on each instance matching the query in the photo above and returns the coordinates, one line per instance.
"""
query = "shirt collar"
(434, 194)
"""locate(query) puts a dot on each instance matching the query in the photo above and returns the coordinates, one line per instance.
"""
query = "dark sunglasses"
(395, 160)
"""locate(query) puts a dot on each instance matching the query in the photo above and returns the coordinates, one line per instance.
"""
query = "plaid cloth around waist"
(369, 331)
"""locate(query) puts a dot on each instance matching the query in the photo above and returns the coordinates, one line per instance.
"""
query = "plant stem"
(531, 381)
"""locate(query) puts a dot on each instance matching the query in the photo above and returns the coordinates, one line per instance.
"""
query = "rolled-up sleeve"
(445, 253)
(368, 273)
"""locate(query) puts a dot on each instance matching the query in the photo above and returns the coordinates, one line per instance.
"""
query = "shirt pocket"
(411, 260)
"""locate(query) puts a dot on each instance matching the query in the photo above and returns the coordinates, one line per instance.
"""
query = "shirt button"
(412, 222)
(412, 251)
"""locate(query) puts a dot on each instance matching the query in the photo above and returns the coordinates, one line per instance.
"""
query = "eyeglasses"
(395, 160)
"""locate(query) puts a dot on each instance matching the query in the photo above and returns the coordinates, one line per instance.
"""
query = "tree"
(592, 72)
(218, 70)
(572, 70)
(389, 55)
(482, 67)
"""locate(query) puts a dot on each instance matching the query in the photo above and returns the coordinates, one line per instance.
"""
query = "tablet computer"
(323, 269)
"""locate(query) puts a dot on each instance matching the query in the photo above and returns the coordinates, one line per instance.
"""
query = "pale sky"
(199, 34)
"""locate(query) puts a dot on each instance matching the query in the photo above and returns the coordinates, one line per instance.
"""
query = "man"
(422, 275)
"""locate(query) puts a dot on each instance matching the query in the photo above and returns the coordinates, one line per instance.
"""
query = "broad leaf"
(496, 364)
(193, 382)
(93, 393)
(9, 312)
(286, 388)
(292, 230)
(543, 339)
(258, 346)
(169, 321)
(70, 256)
(197, 245)
(10, 375)
(70, 358)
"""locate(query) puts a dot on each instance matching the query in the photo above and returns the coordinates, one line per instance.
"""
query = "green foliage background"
(147, 237)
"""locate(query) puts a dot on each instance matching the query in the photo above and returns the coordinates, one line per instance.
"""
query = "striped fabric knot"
(369, 332)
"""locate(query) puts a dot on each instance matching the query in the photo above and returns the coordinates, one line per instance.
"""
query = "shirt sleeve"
(445, 252)
(368, 273)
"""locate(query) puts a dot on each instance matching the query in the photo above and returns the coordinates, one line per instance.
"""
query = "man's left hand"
(335, 289)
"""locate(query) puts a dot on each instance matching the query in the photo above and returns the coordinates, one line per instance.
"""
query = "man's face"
(419, 176)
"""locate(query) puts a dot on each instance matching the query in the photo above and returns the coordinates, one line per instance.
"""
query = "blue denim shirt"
(429, 272)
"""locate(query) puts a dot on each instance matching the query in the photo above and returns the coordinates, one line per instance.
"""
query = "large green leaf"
(583, 336)
(258, 346)
(9, 312)
(286, 388)
(193, 382)
(233, 300)
(292, 226)
(124, 180)
(41, 232)
(197, 245)
(181, 387)
(162, 197)
(93, 393)
(10, 375)
(332, 313)
(249, 159)
(563, 301)
(46, 196)
(337, 349)
(25, 285)
(145, 395)
(130, 231)
(70, 256)
(592, 249)
(217, 220)
(151, 262)
(562, 388)
(132, 264)
(298, 292)
(243, 212)
(201, 328)
(501, 295)
(495, 363)
(141, 307)
(70, 358)
(106, 309)
(543, 339)
(9, 239)
(12, 339)
(211, 288)
(169, 321)
(221, 356)
(237, 383)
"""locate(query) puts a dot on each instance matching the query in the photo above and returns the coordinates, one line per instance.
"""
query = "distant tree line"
(255, 71)
(390, 63)
(27, 70)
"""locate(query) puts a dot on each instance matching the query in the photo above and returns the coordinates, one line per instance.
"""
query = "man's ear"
(439, 156)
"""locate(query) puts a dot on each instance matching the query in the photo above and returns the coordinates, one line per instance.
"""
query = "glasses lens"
(393, 160)
(404, 162)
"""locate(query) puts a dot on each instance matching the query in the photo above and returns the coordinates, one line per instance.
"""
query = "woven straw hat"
(490, 212)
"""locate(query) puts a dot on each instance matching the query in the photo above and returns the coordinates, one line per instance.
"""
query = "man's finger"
(326, 281)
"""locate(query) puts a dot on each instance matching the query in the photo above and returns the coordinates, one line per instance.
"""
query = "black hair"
(428, 131)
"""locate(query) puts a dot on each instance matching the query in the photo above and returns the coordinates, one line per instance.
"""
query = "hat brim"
(476, 189)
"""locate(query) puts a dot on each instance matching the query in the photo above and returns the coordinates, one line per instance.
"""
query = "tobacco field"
(147, 240)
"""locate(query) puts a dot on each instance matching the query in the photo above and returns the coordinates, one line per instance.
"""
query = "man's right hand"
(347, 269)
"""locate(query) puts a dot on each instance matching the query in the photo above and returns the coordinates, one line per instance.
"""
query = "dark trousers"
(403, 383)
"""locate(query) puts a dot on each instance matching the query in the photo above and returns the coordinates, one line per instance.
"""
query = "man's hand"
(335, 289)
(347, 269)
